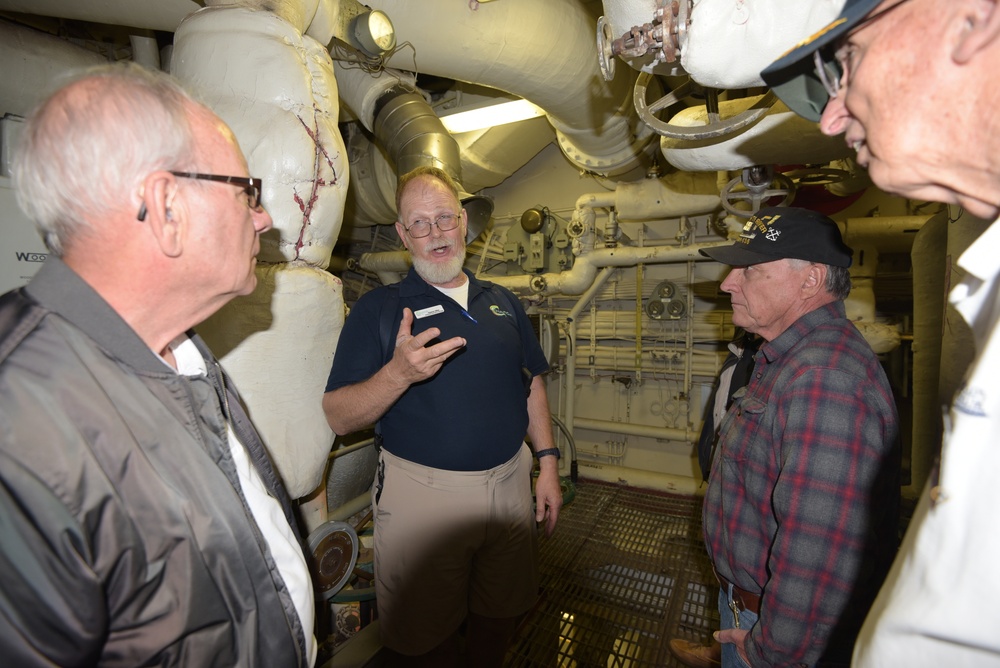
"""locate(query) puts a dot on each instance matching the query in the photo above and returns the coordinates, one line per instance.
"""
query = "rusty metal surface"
(625, 571)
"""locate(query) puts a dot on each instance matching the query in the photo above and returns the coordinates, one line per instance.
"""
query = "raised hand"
(413, 360)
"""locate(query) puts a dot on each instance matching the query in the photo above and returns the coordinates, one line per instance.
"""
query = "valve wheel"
(715, 128)
(780, 185)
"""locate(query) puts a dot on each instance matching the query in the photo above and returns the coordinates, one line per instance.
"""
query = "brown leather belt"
(743, 599)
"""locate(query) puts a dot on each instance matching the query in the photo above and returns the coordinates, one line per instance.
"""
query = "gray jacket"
(125, 539)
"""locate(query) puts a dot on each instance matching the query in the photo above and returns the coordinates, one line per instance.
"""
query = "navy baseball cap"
(793, 77)
(780, 232)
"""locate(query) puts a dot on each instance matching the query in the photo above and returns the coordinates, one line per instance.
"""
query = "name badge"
(431, 310)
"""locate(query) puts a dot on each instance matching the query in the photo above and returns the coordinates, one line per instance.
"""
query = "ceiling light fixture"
(480, 118)
(374, 32)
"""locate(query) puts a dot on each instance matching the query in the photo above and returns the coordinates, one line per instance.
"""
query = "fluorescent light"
(490, 116)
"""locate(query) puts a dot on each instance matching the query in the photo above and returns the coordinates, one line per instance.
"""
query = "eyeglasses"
(832, 72)
(251, 186)
(444, 222)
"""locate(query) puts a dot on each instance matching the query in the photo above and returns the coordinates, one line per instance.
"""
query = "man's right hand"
(414, 360)
(352, 407)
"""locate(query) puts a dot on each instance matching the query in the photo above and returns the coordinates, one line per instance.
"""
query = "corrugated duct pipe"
(411, 134)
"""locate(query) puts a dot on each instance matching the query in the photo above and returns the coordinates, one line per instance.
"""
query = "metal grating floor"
(624, 572)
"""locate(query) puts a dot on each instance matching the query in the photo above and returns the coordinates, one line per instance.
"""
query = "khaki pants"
(451, 542)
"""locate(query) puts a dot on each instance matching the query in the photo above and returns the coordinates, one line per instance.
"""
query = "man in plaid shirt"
(801, 512)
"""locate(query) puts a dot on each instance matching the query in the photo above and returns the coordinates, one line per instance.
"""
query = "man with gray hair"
(802, 503)
(143, 523)
(912, 86)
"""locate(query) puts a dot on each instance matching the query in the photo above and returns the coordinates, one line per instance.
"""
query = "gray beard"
(439, 273)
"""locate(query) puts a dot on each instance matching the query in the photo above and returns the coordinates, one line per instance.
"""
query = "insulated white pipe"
(32, 63)
(276, 89)
(274, 86)
(145, 51)
(544, 52)
(581, 276)
(160, 15)
(779, 138)
(572, 282)
(671, 196)
(730, 41)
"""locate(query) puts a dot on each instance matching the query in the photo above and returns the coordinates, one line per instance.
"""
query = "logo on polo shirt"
(496, 310)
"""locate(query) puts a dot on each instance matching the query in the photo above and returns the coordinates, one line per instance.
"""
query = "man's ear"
(814, 280)
(164, 215)
(981, 26)
(401, 231)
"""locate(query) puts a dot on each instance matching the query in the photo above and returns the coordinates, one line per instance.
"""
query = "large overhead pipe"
(543, 52)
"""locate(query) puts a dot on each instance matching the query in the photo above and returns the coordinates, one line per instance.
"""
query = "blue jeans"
(730, 657)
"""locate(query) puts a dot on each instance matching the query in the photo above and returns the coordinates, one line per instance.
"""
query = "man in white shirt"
(913, 87)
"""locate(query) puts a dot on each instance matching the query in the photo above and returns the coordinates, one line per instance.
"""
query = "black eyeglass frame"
(253, 187)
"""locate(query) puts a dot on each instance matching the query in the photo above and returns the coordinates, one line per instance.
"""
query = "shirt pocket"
(741, 428)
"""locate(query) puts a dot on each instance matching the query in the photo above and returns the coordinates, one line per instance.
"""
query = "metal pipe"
(145, 51)
(340, 452)
(631, 429)
(569, 395)
(664, 482)
(577, 279)
(352, 507)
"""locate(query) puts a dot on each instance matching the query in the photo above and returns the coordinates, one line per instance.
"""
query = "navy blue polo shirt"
(472, 415)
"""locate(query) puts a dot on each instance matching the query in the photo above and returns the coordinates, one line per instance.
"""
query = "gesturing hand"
(413, 360)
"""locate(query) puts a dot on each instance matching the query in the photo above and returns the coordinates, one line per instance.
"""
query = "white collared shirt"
(940, 605)
(267, 511)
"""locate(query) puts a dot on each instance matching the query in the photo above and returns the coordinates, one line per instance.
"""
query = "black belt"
(743, 599)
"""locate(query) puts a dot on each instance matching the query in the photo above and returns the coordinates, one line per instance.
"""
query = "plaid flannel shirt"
(803, 498)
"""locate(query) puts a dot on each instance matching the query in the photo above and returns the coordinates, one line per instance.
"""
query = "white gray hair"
(86, 150)
(838, 279)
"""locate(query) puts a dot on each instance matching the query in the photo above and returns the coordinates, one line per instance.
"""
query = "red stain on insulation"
(321, 156)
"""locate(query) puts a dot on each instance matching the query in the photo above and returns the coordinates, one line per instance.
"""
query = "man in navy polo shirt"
(445, 385)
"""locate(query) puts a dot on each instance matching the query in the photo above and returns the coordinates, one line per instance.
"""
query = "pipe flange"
(538, 284)
(576, 229)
